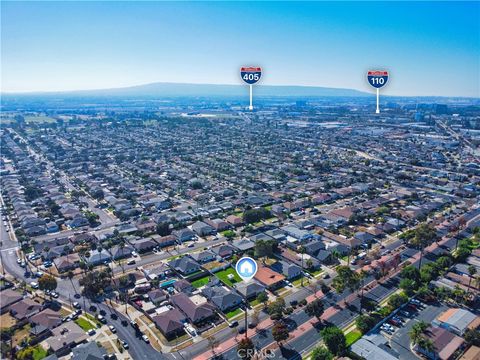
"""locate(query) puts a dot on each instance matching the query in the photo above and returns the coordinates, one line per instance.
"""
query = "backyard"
(200, 282)
(223, 276)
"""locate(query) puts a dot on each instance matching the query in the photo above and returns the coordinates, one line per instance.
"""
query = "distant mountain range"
(156, 90)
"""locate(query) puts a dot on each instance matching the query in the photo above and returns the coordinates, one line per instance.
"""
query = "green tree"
(263, 248)
(425, 234)
(315, 308)
(365, 323)
(26, 353)
(417, 331)
(346, 279)
(321, 353)
(245, 348)
(163, 229)
(410, 272)
(279, 332)
(409, 286)
(277, 307)
(47, 282)
(262, 298)
(335, 340)
(472, 337)
(426, 344)
(397, 300)
(255, 215)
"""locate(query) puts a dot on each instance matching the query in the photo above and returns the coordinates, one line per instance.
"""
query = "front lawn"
(200, 282)
(84, 324)
(254, 302)
(223, 276)
(233, 313)
(352, 337)
(298, 282)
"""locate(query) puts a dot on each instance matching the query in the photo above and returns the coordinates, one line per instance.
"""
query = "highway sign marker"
(377, 79)
(251, 75)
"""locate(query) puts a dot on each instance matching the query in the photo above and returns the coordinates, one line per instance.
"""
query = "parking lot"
(396, 328)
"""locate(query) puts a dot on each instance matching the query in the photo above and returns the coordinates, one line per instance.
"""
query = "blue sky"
(430, 48)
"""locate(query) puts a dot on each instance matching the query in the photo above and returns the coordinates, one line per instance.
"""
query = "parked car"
(124, 344)
(76, 305)
(91, 332)
(112, 329)
(145, 338)
(131, 262)
(34, 285)
(233, 324)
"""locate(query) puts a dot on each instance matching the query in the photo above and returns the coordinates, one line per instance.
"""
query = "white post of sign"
(251, 98)
(378, 96)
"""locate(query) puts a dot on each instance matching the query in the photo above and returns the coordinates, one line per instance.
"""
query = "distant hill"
(155, 90)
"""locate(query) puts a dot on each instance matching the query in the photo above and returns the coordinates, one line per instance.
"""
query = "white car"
(112, 328)
(145, 338)
(34, 285)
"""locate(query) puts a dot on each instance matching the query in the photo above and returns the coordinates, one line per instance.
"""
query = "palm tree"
(417, 331)
(302, 252)
(472, 270)
(121, 246)
(424, 235)
(361, 281)
(427, 345)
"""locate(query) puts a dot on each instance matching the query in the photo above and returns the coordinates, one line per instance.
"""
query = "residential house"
(184, 235)
(203, 257)
(119, 252)
(99, 257)
(48, 318)
(445, 343)
(457, 320)
(195, 313)
(157, 296)
(164, 241)
(89, 351)
(66, 336)
(234, 220)
(224, 251)
(9, 297)
(185, 265)
(243, 244)
(170, 323)
(250, 289)
(183, 286)
(144, 245)
(291, 271)
(222, 297)
(269, 278)
(218, 224)
(67, 262)
(25, 308)
(202, 229)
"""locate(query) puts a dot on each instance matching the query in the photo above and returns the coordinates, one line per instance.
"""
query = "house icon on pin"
(246, 268)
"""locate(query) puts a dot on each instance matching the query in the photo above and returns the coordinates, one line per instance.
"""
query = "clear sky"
(430, 48)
